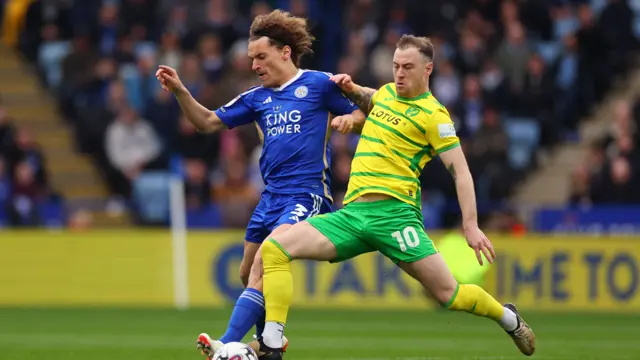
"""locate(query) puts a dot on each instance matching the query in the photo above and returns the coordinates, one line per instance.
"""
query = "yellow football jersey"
(399, 138)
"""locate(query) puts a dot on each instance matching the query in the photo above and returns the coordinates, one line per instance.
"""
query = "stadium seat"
(151, 196)
(524, 138)
(207, 217)
(549, 51)
(52, 214)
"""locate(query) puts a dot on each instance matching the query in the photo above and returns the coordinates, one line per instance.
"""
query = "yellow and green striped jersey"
(399, 138)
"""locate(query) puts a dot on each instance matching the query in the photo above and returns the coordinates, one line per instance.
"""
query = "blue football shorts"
(277, 209)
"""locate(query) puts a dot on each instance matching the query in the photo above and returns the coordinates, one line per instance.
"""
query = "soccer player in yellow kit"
(405, 129)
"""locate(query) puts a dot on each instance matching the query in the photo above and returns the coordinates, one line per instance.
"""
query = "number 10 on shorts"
(408, 238)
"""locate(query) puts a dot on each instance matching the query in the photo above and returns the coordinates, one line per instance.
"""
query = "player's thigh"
(434, 275)
(344, 229)
(397, 232)
(327, 237)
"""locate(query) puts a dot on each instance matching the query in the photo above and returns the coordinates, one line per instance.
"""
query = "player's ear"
(286, 52)
(428, 69)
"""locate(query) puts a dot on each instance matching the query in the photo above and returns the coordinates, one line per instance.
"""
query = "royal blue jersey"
(293, 122)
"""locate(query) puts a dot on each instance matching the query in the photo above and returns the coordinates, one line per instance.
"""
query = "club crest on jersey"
(301, 91)
(411, 112)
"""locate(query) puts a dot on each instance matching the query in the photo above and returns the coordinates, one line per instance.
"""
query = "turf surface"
(128, 334)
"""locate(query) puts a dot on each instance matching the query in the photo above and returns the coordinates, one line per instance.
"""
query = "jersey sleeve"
(236, 112)
(336, 102)
(374, 97)
(441, 133)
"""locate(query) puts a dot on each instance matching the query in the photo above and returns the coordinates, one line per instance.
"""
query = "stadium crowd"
(517, 77)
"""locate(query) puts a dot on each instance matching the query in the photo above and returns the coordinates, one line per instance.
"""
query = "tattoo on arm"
(452, 171)
(362, 98)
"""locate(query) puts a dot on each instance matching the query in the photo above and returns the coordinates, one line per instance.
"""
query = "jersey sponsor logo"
(301, 92)
(276, 108)
(411, 112)
(388, 117)
(446, 130)
(285, 122)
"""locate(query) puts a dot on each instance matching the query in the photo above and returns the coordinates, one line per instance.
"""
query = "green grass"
(119, 334)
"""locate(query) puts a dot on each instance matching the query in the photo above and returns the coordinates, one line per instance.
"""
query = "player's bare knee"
(257, 270)
(444, 293)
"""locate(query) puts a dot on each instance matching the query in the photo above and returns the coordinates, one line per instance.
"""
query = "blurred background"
(544, 95)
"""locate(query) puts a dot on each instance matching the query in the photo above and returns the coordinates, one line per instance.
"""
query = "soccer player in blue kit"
(292, 111)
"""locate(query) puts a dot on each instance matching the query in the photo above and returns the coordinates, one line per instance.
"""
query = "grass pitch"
(144, 334)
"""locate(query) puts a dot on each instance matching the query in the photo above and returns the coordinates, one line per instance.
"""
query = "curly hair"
(284, 29)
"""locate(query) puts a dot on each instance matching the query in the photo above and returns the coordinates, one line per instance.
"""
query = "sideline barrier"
(134, 268)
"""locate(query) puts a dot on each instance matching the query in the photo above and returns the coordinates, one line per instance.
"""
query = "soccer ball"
(235, 351)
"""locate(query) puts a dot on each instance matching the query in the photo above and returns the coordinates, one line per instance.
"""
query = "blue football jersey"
(293, 122)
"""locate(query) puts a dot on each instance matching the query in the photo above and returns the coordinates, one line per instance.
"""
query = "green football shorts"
(390, 226)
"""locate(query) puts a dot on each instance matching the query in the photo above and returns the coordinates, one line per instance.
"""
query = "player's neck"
(418, 92)
(288, 73)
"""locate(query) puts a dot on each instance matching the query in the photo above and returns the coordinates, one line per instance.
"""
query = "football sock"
(278, 291)
(473, 299)
(273, 333)
(249, 310)
(260, 324)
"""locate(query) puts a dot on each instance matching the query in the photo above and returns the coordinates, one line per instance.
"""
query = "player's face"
(268, 61)
(411, 71)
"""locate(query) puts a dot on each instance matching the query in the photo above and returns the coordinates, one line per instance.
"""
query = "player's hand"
(343, 124)
(169, 79)
(479, 242)
(344, 82)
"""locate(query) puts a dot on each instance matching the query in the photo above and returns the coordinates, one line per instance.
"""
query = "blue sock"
(260, 324)
(249, 309)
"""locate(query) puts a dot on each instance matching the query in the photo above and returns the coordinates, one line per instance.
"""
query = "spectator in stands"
(5, 184)
(513, 55)
(131, 147)
(28, 153)
(26, 193)
(235, 194)
(468, 111)
(617, 185)
(7, 133)
(487, 71)
(194, 145)
(197, 187)
(446, 83)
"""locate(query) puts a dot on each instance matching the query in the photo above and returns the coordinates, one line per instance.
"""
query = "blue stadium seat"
(205, 218)
(549, 51)
(151, 195)
(52, 214)
(564, 27)
(524, 138)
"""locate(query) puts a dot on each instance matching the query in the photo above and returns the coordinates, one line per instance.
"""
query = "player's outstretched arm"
(456, 163)
(203, 119)
(360, 95)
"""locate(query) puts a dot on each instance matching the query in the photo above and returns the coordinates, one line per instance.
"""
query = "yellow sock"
(473, 299)
(277, 281)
